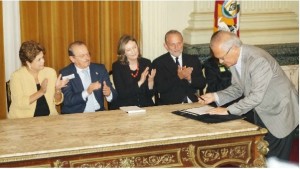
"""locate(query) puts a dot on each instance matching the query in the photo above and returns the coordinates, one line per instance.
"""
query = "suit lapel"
(184, 60)
(94, 74)
(171, 64)
(77, 81)
(235, 75)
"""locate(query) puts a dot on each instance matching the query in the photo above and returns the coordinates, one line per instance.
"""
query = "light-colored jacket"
(266, 89)
(23, 85)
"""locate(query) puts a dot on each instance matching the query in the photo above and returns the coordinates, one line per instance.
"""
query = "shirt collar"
(239, 61)
(179, 58)
(79, 70)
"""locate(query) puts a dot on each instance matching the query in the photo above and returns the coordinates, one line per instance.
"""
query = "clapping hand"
(106, 89)
(44, 85)
(60, 83)
(143, 76)
(151, 75)
(185, 72)
(93, 86)
(151, 79)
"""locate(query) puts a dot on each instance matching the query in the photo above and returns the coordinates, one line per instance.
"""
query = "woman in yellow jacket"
(35, 89)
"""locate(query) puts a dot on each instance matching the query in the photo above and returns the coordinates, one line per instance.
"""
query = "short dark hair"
(29, 50)
(70, 48)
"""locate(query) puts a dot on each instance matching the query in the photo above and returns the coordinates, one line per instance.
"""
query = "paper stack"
(133, 109)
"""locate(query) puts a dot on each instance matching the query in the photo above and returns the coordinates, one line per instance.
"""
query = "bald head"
(224, 40)
(225, 47)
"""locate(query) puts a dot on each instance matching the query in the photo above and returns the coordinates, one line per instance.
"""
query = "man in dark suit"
(267, 90)
(178, 75)
(89, 82)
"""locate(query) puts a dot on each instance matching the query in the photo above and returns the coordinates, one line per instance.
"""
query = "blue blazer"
(73, 101)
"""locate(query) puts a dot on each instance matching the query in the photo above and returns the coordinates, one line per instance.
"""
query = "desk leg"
(262, 150)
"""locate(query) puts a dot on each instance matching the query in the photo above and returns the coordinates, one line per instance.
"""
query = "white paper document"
(71, 76)
(199, 110)
(132, 109)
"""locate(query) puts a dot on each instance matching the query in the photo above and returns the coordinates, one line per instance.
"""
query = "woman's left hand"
(151, 75)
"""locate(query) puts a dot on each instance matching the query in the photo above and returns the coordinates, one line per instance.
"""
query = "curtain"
(3, 108)
(100, 24)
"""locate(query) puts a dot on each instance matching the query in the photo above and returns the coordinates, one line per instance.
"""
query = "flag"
(226, 16)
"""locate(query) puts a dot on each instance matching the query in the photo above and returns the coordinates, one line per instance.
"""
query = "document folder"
(207, 118)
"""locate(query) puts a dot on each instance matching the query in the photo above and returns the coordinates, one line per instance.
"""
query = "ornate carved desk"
(156, 138)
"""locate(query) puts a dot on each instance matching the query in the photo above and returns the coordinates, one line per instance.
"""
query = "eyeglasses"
(226, 53)
(83, 55)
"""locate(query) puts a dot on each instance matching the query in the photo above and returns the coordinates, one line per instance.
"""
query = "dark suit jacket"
(129, 93)
(171, 89)
(215, 78)
(73, 101)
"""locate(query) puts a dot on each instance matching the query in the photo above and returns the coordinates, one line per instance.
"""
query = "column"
(201, 23)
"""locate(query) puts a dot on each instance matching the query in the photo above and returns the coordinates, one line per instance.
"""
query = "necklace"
(134, 75)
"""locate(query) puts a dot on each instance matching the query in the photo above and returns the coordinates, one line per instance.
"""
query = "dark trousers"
(278, 147)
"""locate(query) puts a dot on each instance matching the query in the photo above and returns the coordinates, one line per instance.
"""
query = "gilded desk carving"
(166, 158)
(60, 164)
(262, 147)
(189, 155)
(214, 155)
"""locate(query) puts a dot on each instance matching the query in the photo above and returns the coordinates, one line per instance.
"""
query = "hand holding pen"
(206, 98)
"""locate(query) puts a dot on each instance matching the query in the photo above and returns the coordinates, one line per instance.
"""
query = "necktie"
(177, 62)
(86, 82)
(86, 78)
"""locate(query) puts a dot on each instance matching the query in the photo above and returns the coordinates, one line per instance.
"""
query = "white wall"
(157, 18)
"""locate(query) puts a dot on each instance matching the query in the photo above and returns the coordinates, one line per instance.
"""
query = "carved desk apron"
(156, 138)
